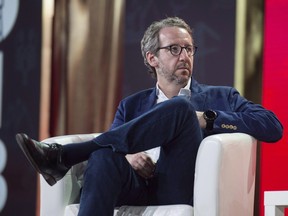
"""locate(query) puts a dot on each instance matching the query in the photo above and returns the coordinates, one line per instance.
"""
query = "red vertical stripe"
(274, 157)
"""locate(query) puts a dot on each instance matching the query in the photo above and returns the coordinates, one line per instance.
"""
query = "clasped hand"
(142, 164)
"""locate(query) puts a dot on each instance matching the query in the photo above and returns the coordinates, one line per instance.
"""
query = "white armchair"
(224, 181)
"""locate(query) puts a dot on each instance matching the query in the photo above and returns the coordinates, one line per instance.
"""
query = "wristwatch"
(209, 116)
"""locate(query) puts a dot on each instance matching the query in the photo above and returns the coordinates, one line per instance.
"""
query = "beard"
(181, 79)
(179, 76)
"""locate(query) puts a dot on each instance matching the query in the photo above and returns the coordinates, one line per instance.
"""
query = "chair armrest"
(66, 191)
(225, 175)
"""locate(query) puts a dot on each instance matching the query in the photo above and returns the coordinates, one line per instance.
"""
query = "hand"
(202, 121)
(142, 164)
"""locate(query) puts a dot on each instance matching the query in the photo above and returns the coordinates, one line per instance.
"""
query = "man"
(175, 115)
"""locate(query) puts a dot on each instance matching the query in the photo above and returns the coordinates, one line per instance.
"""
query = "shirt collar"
(183, 91)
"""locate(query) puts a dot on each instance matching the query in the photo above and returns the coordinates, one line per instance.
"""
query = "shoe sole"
(22, 144)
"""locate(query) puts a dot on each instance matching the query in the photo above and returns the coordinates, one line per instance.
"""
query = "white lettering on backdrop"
(8, 14)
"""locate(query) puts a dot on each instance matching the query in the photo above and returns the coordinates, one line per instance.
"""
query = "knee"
(183, 104)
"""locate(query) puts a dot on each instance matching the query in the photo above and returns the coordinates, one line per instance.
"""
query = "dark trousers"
(109, 179)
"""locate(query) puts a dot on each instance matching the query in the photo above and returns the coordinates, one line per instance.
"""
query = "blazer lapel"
(198, 97)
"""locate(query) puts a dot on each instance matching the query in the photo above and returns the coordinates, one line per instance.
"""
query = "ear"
(152, 59)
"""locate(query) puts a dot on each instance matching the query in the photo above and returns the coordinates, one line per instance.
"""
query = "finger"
(147, 171)
(146, 168)
(147, 162)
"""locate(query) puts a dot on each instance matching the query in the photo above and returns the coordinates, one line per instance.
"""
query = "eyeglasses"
(176, 49)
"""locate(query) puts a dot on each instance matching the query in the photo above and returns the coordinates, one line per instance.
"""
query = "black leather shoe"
(45, 158)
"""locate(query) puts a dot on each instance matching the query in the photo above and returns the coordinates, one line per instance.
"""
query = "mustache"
(183, 65)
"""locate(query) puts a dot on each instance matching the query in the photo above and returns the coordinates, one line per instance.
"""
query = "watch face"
(210, 115)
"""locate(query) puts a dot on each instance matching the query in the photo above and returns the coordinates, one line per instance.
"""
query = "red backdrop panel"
(274, 157)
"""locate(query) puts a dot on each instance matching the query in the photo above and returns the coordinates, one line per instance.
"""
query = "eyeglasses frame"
(184, 47)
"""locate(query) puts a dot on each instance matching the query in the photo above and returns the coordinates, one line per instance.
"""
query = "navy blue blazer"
(235, 113)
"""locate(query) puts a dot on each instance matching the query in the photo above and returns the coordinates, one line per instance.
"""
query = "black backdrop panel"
(20, 49)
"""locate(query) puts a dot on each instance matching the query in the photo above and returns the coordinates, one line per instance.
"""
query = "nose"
(184, 54)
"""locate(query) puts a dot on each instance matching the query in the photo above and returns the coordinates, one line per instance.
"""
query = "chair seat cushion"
(163, 210)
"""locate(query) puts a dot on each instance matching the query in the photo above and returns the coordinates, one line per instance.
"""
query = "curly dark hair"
(150, 40)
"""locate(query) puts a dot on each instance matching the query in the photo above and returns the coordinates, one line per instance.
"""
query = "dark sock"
(78, 152)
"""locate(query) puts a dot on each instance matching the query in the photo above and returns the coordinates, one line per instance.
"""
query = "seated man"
(175, 116)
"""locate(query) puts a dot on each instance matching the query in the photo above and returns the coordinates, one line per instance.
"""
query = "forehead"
(174, 35)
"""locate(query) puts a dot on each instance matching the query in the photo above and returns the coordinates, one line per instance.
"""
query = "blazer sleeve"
(119, 116)
(247, 117)
(133, 106)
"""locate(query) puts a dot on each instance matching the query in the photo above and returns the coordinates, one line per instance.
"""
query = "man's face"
(170, 68)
